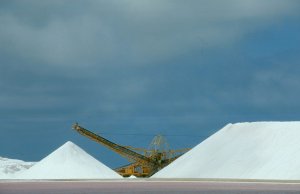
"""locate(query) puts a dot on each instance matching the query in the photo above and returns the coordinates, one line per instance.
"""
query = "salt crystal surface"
(69, 162)
(258, 150)
(9, 168)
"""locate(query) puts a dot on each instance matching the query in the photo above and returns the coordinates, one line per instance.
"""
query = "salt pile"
(259, 150)
(69, 162)
(9, 168)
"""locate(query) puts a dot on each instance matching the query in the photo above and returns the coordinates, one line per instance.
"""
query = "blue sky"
(133, 69)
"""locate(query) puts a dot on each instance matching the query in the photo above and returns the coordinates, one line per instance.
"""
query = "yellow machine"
(144, 162)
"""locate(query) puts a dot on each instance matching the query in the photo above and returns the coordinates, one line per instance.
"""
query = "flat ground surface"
(144, 186)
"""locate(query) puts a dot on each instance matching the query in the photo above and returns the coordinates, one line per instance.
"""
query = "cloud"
(85, 33)
(115, 57)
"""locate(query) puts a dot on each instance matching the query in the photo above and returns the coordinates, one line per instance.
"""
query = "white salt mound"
(69, 162)
(132, 177)
(259, 150)
(9, 168)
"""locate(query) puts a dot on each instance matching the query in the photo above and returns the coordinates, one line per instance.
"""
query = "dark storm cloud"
(74, 36)
(133, 32)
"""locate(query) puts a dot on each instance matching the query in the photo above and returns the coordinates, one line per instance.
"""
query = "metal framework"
(144, 162)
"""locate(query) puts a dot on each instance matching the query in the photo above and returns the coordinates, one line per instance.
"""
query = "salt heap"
(10, 168)
(259, 150)
(69, 162)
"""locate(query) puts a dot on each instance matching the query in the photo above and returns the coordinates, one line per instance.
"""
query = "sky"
(132, 69)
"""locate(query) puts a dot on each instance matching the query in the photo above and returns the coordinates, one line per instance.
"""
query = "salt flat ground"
(148, 186)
